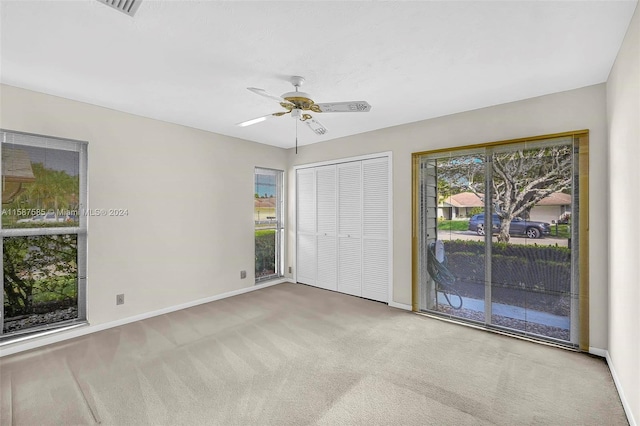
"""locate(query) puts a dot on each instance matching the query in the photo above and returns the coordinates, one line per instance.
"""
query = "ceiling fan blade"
(261, 119)
(353, 106)
(264, 93)
(316, 126)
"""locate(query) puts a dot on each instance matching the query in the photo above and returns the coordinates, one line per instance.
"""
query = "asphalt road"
(472, 236)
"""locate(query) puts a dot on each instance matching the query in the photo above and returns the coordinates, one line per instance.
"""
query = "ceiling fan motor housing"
(301, 100)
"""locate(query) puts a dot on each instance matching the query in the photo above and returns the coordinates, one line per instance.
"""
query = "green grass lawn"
(453, 225)
(563, 231)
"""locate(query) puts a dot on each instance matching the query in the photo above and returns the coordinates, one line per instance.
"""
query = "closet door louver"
(343, 227)
(326, 220)
(306, 227)
(350, 228)
(375, 229)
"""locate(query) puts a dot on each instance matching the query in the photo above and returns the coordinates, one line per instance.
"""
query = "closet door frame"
(385, 154)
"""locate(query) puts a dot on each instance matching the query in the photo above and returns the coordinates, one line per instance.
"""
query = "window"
(498, 237)
(43, 233)
(269, 227)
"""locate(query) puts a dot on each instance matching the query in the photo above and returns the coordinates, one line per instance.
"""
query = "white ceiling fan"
(300, 106)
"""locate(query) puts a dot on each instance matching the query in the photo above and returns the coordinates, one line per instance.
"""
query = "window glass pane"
(265, 252)
(40, 281)
(531, 253)
(453, 239)
(268, 223)
(40, 187)
(265, 199)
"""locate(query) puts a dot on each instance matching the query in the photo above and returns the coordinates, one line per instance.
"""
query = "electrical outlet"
(243, 274)
(119, 299)
(289, 269)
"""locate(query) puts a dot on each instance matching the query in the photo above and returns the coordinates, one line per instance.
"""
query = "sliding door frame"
(580, 140)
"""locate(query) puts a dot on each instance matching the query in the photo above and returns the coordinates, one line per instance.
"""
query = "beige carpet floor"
(296, 355)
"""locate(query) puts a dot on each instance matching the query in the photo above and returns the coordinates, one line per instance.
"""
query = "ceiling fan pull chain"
(296, 137)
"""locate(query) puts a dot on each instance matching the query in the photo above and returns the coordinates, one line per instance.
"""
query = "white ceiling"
(189, 62)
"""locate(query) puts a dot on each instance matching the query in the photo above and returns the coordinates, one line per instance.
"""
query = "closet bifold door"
(306, 227)
(375, 229)
(326, 227)
(350, 228)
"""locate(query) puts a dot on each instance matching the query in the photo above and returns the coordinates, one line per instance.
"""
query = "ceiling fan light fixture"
(250, 122)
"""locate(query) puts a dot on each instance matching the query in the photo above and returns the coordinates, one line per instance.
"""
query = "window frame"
(279, 213)
(81, 231)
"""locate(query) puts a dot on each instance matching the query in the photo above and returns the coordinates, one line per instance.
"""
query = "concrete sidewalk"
(509, 311)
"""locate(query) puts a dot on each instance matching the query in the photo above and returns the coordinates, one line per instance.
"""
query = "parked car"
(519, 226)
(37, 218)
(49, 217)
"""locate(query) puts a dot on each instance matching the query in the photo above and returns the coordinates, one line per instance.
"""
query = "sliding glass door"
(531, 252)
(497, 236)
(453, 274)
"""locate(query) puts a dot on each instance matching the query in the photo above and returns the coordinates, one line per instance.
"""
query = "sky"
(53, 159)
(265, 184)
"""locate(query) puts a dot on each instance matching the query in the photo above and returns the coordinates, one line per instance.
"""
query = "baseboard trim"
(400, 306)
(623, 399)
(598, 352)
(88, 329)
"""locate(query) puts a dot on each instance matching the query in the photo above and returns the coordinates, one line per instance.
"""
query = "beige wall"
(573, 110)
(189, 193)
(623, 111)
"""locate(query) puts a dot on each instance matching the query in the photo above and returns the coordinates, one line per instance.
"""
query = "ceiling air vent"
(126, 6)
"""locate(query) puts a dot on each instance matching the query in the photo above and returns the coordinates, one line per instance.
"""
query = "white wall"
(623, 112)
(190, 196)
(573, 110)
